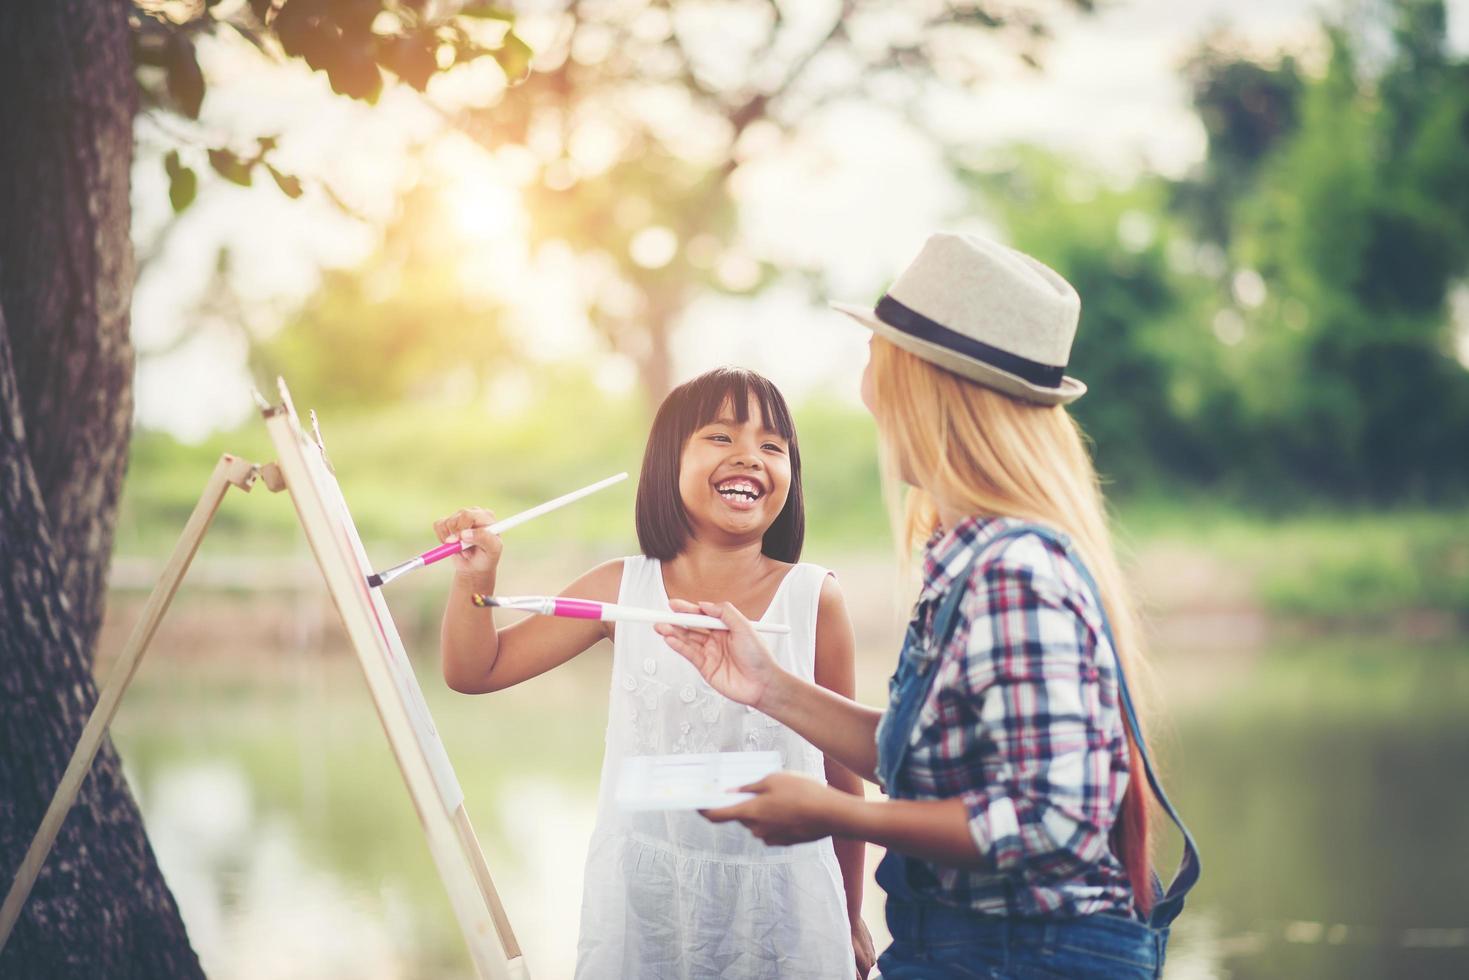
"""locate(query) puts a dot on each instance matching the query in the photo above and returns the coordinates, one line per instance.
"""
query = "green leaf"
(185, 80)
(230, 167)
(486, 9)
(412, 57)
(296, 28)
(983, 18)
(289, 185)
(183, 183)
(354, 17)
(356, 75)
(514, 56)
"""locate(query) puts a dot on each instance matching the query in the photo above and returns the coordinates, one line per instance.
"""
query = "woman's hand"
(735, 662)
(862, 948)
(787, 809)
(482, 547)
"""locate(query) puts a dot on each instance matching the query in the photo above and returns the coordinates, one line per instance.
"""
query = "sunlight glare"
(478, 201)
(482, 208)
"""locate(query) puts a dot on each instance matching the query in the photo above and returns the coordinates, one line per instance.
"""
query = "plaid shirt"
(1022, 723)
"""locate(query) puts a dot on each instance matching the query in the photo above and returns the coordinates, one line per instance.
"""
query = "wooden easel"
(302, 471)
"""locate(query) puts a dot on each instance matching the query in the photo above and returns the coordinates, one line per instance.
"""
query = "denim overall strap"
(912, 683)
(909, 690)
(1166, 908)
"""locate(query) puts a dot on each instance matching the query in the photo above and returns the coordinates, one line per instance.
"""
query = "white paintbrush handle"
(499, 527)
(691, 620)
(454, 547)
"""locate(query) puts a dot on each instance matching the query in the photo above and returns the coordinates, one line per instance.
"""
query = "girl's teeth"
(745, 490)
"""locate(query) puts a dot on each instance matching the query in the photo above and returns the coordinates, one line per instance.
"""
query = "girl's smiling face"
(734, 476)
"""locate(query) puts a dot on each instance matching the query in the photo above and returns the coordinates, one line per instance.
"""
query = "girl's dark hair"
(663, 524)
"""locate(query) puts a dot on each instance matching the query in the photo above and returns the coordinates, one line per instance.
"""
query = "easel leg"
(230, 471)
(487, 887)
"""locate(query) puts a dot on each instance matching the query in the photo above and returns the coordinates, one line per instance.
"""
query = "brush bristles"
(374, 581)
(484, 600)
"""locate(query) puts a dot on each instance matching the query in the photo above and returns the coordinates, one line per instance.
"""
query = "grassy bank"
(1354, 567)
(1335, 567)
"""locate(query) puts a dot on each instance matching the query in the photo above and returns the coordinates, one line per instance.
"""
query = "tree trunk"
(67, 101)
(655, 360)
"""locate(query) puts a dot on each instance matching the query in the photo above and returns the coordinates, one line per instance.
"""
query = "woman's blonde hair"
(976, 451)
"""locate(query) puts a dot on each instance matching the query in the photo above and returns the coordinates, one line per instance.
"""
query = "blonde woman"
(1017, 773)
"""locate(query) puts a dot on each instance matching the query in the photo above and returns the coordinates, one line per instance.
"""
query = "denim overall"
(933, 941)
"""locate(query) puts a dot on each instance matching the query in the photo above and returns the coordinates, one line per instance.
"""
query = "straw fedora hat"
(985, 311)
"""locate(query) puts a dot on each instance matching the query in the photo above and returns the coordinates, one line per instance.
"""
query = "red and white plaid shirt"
(1022, 723)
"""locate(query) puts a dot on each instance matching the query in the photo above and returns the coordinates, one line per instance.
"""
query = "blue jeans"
(935, 942)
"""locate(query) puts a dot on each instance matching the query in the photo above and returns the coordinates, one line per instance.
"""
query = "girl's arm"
(478, 657)
(737, 664)
(836, 671)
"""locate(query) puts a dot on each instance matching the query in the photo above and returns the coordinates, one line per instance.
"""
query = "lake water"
(1324, 780)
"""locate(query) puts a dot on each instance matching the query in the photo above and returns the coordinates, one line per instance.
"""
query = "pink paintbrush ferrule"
(441, 552)
(578, 608)
(427, 558)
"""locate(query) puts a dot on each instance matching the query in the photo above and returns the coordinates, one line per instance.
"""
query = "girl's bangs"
(734, 388)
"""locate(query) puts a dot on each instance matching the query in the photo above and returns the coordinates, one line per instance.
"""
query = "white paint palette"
(696, 781)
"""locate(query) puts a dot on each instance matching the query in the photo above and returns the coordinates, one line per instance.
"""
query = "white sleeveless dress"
(669, 895)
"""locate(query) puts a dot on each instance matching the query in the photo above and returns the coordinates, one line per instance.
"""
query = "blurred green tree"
(1280, 322)
(1360, 230)
(1247, 108)
(1144, 338)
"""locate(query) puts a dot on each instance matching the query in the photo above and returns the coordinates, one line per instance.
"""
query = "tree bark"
(67, 102)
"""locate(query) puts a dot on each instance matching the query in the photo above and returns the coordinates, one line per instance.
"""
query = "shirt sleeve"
(1031, 676)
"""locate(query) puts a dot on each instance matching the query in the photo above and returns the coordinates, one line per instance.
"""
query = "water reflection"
(255, 904)
(1325, 789)
(551, 824)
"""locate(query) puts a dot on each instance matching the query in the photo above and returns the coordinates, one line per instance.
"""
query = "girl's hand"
(472, 526)
(735, 662)
(862, 948)
(787, 809)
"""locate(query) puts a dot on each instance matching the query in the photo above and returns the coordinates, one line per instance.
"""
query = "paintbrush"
(443, 551)
(607, 612)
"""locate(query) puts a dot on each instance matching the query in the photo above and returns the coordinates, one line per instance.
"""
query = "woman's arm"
(1031, 677)
(477, 657)
(737, 664)
(935, 830)
(835, 670)
(845, 730)
(792, 809)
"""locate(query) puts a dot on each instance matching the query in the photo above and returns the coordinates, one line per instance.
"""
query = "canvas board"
(407, 722)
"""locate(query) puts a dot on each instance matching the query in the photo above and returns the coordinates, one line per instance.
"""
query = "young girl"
(719, 512)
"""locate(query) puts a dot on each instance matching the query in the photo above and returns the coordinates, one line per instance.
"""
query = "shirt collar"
(949, 550)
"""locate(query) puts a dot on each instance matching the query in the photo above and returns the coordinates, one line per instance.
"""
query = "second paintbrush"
(607, 612)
